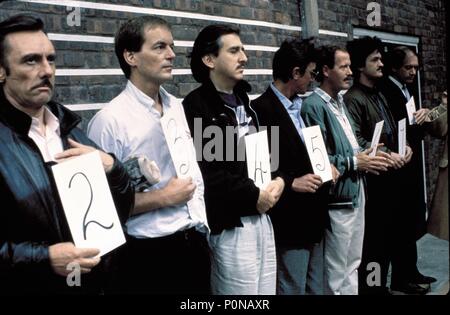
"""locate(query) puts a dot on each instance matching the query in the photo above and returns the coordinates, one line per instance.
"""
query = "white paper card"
(88, 204)
(258, 158)
(411, 109)
(402, 137)
(180, 144)
(376, 137)
(317, 152)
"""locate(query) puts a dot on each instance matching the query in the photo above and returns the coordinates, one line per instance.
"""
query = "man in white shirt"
(167, 250)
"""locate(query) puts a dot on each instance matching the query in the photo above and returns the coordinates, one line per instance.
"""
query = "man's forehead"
(28, 42)
(157, 33)
(411, 58)
(230, 40)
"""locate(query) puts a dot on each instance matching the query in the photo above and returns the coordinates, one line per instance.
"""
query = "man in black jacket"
(300, 217)
(242, 244)
(384, 212)
(402, 66)
(35, 132)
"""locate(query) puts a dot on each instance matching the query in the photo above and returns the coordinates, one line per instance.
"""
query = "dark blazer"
(229, 193)
(410, 176)
(299, 219)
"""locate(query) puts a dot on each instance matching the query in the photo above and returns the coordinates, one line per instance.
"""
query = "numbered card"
(88, 204)
(258, 158)
(317, 152)
(411, 109)
(402, 137)
(376, 137)
(180, 144)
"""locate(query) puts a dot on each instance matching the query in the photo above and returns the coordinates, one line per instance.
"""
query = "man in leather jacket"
(35, 241)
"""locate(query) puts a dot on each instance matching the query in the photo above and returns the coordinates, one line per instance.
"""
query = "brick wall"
(422, 18)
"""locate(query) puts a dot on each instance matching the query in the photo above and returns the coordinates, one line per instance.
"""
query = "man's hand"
(275, 188)
(421, 115)
(335, 174)
(308, 183)
(78, 149)
(408, 154)
(265, 201)
(178, 191)
(62, 254)
(371, 164)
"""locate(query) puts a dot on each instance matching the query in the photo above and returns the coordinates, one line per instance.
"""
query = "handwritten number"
(184, 166)
(319, 166)
(261, 171)
(86, 224)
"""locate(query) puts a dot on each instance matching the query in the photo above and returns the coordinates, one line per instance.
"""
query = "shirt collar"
(397, 83)
(296, 103)
(146, 100)
(51, 121)
(338, 104)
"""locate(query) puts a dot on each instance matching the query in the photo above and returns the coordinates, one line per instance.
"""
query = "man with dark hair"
(367, 106)
(326, 108)
(241, 241)
(167, 251)
(403, 65)
(300, 216)
(35, 241)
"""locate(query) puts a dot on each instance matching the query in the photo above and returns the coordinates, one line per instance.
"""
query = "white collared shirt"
(337, 107)
(49, 144)
(130, 125)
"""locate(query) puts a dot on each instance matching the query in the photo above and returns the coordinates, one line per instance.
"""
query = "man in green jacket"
(325, 107)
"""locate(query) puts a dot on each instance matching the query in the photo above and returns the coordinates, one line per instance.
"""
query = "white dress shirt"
(50, 143)
(130, 125)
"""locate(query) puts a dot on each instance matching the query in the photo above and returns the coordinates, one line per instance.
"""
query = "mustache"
(44, 83)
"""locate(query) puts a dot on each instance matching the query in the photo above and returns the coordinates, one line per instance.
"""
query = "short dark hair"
(131, 37)
(396, 57)
(291, 54)
(15, 24)
(208, 42)
(326, 57)
(359, 49)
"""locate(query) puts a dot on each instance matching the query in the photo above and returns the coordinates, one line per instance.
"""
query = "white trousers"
(343, 249)
(243, 259)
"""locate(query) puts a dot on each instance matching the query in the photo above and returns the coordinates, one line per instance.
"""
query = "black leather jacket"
(31, 215)
(229, 193)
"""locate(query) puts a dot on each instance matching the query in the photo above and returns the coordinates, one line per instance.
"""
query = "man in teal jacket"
(325, 107)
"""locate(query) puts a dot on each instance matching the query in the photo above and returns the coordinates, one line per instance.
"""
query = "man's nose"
(243, 57)
(171, 53)
(47, 68)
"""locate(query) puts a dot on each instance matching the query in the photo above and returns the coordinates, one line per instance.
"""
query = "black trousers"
(174, 264)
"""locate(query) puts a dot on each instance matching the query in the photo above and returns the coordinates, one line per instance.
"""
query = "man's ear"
(208, 60)
(296, 73)
(325, 71)
(129, 57)
(2, 74)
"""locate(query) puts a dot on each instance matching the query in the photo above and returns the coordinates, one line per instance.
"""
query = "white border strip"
(387, 37)
(81, 38)
(103, 72)
(110, 40)
(81, 107)
(333, 33)
(98, 106)
(141, 10)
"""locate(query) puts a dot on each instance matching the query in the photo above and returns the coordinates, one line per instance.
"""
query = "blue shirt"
(293, 108)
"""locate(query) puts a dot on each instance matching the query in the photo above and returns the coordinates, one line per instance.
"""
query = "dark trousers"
(174, 264)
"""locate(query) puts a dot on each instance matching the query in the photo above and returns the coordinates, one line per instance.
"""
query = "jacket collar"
(241, 89)
(20, 122)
